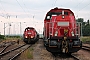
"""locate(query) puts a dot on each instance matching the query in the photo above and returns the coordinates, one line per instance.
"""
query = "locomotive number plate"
(63, 23)
(29, 33)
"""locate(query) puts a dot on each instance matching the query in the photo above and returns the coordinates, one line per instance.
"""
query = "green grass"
(30, 53)
(85, 38)
(7, 38)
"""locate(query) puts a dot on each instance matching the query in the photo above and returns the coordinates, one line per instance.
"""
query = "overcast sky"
(32, 12)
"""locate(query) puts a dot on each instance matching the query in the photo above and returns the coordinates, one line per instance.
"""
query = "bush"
(85, 39)
(14, 36)
(2, 36)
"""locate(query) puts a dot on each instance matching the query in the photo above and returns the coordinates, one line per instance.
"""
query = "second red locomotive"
(30, 35)
(61, 33)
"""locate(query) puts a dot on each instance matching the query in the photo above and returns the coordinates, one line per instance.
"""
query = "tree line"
(85, 26)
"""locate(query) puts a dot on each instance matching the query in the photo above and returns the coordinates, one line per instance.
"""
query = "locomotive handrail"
(52, 27)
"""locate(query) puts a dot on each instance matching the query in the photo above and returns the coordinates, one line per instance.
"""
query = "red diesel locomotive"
(61, 32)
(30, 35)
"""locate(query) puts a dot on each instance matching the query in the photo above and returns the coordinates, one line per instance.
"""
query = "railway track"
(13, 53)
(87, 48)
(75, 57)
(6, 45)
(65, 57)
(4, 49)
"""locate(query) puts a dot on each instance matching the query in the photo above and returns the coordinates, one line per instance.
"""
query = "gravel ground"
(40, 53)
(83, 55)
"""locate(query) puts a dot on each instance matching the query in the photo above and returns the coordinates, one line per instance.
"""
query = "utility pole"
(9, 24)
(4, 29)
(9, 27)
(20, 28)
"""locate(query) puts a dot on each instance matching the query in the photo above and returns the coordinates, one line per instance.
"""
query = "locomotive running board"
(52, 46)
(76, 46)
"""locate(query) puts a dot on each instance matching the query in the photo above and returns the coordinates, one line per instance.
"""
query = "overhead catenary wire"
(79, 3)
(4, 11)
(78, 6)
(54, 3)
(22, 8)
(26, 7)
(84, 7)
(7, 17)
(5, 2)
(33, 16)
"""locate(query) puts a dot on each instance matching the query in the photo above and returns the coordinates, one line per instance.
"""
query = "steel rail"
(86, 48)
(5, 48)
(75, 57)
(12, 58)
(11, 50)
(70, 56)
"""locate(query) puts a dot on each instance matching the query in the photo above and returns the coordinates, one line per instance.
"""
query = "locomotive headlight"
(63, 17)
(72, 33)
(25, 36)
(56, 33)
(32, 36)
(63, 14)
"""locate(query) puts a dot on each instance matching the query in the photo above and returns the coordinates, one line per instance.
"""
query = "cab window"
(48, 17)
